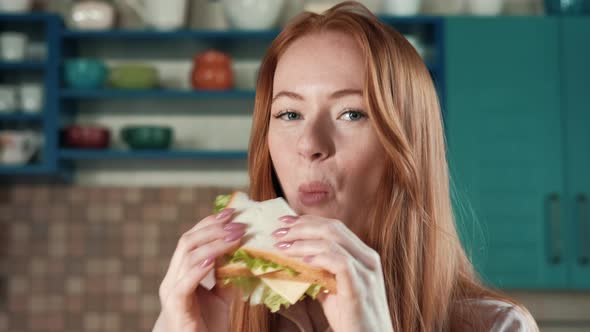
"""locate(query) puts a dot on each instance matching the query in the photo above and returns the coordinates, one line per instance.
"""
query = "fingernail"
(225, 213)
(283, 245)
(289, 219)
(307, 259)
(207, 262)
(233, 226)
(280, 232)
(234, 235)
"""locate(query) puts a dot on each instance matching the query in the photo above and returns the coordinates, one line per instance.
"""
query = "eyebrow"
(336, 94)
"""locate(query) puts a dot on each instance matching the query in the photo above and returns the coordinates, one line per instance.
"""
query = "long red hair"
(412, 227)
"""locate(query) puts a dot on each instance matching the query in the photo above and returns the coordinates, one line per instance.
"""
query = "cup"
(18, 147)
(31, 97)
(401, 7)
(36, 50)
(245, 74)
(161, 15)
(15, 6)
(13, 46)
(8, 99)
(485, 7)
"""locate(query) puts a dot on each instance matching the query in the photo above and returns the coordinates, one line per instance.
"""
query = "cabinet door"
(505, 147)
(576, 89)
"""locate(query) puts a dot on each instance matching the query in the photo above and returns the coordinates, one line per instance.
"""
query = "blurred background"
(120, 121)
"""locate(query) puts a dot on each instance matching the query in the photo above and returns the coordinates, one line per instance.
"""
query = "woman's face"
(323, 146)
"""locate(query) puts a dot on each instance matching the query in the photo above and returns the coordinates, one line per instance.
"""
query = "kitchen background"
(114, 141)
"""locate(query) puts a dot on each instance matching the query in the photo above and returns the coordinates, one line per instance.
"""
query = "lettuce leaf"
(273, 300)
(245, 284)
(241, 255)
(313, 291)
(265, 295)
(221, 202)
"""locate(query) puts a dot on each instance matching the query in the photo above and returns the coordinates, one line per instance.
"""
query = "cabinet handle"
(554, 236)
(584, 229)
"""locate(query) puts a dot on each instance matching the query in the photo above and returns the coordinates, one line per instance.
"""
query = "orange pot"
(212, 70)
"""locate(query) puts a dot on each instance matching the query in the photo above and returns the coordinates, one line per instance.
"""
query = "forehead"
(327, 57)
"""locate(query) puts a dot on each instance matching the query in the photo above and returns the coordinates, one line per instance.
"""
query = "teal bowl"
(85, 73)
(147, 137)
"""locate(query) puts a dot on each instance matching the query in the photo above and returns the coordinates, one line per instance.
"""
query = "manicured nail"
(289, 219)
(283, 245)
(231, 237)
(225, 213)
(234, 226)
(307, 259)
(207, 262)
(280, 232)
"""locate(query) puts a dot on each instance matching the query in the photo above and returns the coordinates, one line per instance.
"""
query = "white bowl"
(401, 7)
(253, 14)
(15, 6)
(485, 7)
(245, 74)
(92, 15)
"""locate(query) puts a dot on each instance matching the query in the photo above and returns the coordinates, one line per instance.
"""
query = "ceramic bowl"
(147, 137)
(253, 15)
(84, 73)
(92, 15)
(133, 76)
(568, 7)
(86, 137)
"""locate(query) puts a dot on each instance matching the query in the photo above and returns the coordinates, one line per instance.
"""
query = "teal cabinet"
(576, 111)
(503, 117)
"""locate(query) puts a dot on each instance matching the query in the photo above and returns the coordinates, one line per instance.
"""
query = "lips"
(314, 193)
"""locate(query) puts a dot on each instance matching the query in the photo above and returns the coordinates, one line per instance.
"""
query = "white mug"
(31, 97)
(485, 7)
(13, 46)
(401, 7)
(8, 98)
(15, 6)
(18, 147)
(161, 15)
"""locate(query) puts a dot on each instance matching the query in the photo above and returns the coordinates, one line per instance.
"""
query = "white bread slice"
(262, 220)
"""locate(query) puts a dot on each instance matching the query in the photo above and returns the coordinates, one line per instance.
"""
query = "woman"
(347, 129)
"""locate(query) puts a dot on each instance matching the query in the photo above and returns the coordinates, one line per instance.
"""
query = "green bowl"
(147, 137)
(133, 76)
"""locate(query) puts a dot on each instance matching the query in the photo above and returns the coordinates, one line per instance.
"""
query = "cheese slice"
(260, 271)
(290, 290)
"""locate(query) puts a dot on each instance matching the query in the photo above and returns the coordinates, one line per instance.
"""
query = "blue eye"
(290, 116)
(354, 115)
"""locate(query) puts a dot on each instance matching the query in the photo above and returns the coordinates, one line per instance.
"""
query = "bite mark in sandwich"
(263, 273)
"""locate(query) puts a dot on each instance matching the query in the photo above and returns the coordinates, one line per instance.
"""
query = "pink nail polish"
(289, 219)
(280, 232)
(224, 213)
(234, 235)
(207, 262)
(233, 226)
(283, 245)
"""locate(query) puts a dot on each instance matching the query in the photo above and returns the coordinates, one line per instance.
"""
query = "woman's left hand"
(360, 302)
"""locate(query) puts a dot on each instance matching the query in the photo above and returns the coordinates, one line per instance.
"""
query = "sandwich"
(262, 272)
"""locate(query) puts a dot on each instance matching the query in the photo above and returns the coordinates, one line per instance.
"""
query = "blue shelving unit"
(121, 34)
(64, 43)
(74, 154)
(156, 93)
(21, 117)
(34, 169)
(50, 25)
(26, 65)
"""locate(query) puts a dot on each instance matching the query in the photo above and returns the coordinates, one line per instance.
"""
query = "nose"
(316, 142)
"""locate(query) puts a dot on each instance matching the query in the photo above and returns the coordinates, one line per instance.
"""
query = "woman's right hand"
(185, 306)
